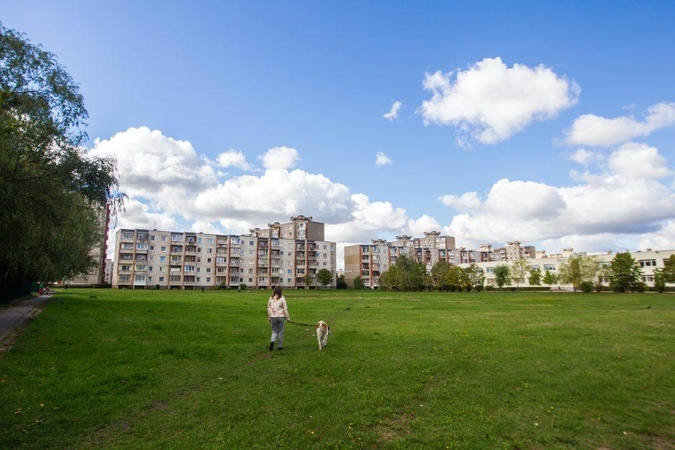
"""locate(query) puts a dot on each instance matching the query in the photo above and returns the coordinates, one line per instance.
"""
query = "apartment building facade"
(287, 255)
(648, 260)
(368, 261)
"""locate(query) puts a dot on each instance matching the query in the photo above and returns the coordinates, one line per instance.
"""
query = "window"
(162, 248)
(127, 235)
(647, 263)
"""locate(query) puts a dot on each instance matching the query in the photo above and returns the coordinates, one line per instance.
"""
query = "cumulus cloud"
(382, 160)
(393, 112)
(233, 158)
(584, 157)
(593, 130)
(280, 158)
(171, 187)
(624, 197)
(489, 102)
(148, 161)
(463, 203)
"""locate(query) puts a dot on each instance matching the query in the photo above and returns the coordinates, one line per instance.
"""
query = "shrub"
(586, 286)
(639, 287)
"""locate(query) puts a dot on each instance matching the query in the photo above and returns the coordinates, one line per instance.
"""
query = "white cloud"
(381, 159)
(593, 130)
(584, 157)
(417, 227)
(393, 112)
(233, 158)
(490, 102)
(466, 202)
(621, 201)
(638, 161)
(148, 161)
(280, 158)
(170, 187)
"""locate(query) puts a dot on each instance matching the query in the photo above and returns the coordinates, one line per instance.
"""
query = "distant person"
(277, 314)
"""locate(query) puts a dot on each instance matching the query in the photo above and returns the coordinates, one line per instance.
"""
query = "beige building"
(648, 260)
(368, 261)
(288, 255)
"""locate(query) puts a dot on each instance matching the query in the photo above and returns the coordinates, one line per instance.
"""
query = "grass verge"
(185, 369)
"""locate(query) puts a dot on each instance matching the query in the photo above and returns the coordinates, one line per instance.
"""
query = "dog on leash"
(322, 332)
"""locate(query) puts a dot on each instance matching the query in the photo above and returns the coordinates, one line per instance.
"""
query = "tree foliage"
(324, 277)
(665, 275)
(577, 269)
(535, 277)
(405, 275)
(625, 273)
(51, 192)
(502, 275)
(475, 277)
(550, 278)
(519, 269)
(439, 275)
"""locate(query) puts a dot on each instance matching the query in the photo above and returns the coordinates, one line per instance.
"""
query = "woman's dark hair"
(277, 292)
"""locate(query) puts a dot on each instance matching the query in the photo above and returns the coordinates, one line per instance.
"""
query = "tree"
(502, 275)
(51, 193)
(454, 278)
(519, 268)
(308, 279)
(577, 269)
(550, 278)
(535, 277)
(665, 275)
(439, 274)
(358, 283)
(625, 273)
(341, 283)
(325, 277)
(475, 277)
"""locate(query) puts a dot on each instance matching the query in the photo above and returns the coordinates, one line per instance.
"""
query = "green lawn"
(185, 369)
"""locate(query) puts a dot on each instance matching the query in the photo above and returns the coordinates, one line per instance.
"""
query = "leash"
(303, 324)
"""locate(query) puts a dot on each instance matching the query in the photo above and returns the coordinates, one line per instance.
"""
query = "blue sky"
(550, 123)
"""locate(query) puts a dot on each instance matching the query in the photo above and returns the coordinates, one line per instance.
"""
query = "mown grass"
(174, 370)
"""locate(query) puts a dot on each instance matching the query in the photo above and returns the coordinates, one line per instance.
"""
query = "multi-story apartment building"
(368, 261)
(648, 260)
(287, 255)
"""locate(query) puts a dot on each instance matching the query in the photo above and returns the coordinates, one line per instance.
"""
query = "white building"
(648, 260)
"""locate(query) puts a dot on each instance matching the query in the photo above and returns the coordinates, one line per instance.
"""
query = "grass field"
(185, 369)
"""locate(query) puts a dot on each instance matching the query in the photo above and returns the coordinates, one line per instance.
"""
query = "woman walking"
(277, 314)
